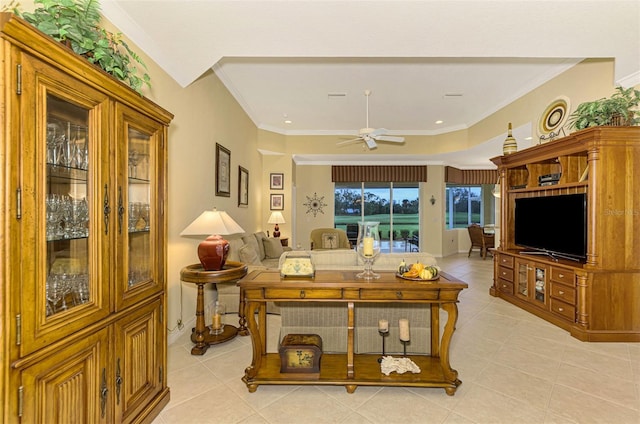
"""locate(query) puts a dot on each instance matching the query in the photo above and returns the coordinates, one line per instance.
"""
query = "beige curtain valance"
(367, 173)
(470, 176)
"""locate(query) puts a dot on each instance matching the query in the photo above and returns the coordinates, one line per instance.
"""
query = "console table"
(351, 369)
(202, 336)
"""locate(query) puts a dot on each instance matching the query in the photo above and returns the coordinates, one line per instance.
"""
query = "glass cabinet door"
(64, 277)
(522, 278)
(540, 285)
(140, 152)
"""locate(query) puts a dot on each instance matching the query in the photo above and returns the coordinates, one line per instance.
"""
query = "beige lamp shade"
(276, 218)
(214, 249)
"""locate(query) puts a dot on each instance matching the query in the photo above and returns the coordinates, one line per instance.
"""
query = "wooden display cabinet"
(595, 300)
(83, 235)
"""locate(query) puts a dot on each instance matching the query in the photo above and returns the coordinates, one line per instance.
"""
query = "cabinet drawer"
(563, 309)
(505, 286)
(505, 273)
(373, 294)
(563, 276)
(564, 293)
(506, 261)
(303, 294)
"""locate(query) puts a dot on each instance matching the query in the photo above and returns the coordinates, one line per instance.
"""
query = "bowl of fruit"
(418, 272)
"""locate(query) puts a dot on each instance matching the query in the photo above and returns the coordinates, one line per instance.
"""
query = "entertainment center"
(569, 248)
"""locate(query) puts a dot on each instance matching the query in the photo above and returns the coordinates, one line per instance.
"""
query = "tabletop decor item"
(368, 247)
(297, 264)
(618, 110)
(300, 353)
(509, 146)
(552, 120)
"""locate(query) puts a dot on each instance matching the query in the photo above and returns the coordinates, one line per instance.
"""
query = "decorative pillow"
(248, 255)
(251, 240)
(330, 240)
(272, 248)
(260, 235)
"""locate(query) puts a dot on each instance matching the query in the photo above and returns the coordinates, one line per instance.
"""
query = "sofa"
(328, 319)
(255, 250)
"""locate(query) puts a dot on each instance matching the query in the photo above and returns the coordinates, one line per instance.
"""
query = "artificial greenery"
(621, 109)
(76, 24)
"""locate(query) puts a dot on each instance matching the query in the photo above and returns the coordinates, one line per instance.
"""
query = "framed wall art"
(243, 187)
(277, 182)
(223, 171)
(277, 202)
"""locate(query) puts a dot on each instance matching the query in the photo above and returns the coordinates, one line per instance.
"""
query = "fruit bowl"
(417, 278)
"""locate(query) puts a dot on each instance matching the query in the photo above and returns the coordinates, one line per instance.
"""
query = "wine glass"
(368, 246)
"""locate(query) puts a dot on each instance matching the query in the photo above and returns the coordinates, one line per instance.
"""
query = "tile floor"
(515, 368)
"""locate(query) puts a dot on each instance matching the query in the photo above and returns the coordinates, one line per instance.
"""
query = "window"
(464, 206)
(394, 205)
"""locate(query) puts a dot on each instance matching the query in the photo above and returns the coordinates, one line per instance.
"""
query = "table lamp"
(214, 249)
(276, 218)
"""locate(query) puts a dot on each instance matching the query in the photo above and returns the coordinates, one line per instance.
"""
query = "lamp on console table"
(276, 218)
(214, 249)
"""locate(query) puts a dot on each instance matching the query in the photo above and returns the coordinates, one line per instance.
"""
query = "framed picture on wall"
(243, 187)
(277, 182)
(277, 202)
(223, 171)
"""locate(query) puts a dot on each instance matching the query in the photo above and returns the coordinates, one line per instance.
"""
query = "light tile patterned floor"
(515, 368)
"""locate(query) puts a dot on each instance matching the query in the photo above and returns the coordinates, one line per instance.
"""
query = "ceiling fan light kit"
(371, 135)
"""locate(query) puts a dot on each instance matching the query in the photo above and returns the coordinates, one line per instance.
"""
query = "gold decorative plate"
(554, 117)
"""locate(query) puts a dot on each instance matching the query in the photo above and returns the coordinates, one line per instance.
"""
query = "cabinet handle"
(120, 210)
(504, 286)
(103, 392)
(561, 275)
(106, 209)
(560, 292)
(399, 294)
(504, 273)
(118, 382)
(302, 294)
(560, 309)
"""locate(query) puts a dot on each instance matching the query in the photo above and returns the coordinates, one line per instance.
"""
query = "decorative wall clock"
(315, 204)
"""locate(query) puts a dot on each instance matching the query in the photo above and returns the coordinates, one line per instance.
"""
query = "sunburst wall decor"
(315, 204)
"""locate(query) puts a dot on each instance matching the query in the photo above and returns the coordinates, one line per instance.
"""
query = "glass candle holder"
(217, 314)
(368, 246)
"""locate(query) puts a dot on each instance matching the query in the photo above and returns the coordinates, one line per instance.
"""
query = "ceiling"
(424, 61)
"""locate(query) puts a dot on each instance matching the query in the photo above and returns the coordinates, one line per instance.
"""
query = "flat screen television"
(553, 225)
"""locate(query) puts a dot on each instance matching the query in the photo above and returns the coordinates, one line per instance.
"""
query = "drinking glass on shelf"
(134, 158)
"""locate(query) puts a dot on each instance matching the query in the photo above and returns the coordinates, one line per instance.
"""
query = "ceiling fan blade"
(390, 138)
(353, 140)
(378, 131)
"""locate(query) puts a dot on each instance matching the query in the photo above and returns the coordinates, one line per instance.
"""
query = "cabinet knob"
(561, 275)
(302, 294)
(560, 309)
(399, 294)
(504, 273)
(560, 292)
(504, 286)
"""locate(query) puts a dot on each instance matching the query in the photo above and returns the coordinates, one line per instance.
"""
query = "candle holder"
(383, 334)
(368, 247)
(404, 347)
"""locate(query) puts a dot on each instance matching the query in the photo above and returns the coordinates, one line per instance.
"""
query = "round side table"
(201, 336)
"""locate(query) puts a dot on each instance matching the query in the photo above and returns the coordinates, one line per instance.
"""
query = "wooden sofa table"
(351, 369)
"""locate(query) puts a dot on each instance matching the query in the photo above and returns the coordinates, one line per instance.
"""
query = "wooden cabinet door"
(138, 361)
(69, 385)
(61, 271)
(140, 159)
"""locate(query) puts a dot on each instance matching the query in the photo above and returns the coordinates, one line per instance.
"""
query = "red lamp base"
(276, 231)
(213, 253)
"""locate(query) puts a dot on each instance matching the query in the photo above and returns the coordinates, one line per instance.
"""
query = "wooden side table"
(284, 241)
(201, 336)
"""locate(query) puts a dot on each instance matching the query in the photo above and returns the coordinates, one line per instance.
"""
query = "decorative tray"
(417, 278)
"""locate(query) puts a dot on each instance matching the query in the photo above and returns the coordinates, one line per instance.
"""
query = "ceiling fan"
(371, 135)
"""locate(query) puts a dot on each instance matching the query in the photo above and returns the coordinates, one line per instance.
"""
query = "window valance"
(470, 176)
(382, 173)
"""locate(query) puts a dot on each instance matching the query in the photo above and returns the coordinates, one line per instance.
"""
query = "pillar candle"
(383, 326)
(367, 246)
(217, 321)
(404, 329)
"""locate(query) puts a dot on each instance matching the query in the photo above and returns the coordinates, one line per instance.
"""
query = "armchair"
(329, 239)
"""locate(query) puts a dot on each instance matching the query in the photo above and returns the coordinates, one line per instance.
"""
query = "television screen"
(553, 224)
